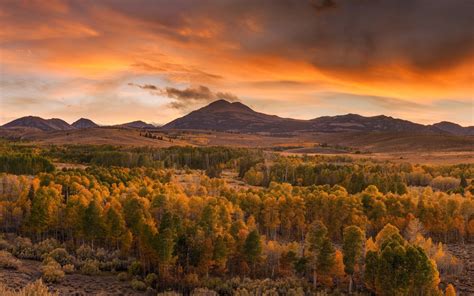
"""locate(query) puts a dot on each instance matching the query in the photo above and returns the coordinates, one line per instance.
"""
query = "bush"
(135, 268)
(7, 261)
(151, 279)
(123, 276)
(68, 268)
(46, 246)
(24, 249)
(84, 253)
(61, 256)
(138, 285)
(4, 245)
(90, 267)
(101, 255)
(52, 271)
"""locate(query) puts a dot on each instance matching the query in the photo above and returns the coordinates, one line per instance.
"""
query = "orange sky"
(69, 59)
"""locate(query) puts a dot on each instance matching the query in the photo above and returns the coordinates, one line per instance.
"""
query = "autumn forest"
(234, 221)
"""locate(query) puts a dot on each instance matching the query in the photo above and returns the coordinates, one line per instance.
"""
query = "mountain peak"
(454, 128)
(226, 106)
(84, 123)
(137, 124)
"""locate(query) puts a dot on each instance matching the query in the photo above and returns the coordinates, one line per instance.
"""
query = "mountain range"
(56, 124)
(225, 116)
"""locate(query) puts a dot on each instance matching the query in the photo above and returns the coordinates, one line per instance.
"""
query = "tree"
(352, 249)
(253, 247)
(315, 239)
(271, 216)
(326, 257)
(398, 268)
(92, 223)
(165, 247)
(413, 229)
(115, 225)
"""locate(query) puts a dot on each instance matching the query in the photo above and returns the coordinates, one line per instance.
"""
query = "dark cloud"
(144, 86)
(323, 4)
(340, 35)
(183, 98)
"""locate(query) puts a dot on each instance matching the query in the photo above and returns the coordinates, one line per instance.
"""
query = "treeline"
(185, 232)
(24, 164)
(355, 176)
(210, 159)
(257, 167)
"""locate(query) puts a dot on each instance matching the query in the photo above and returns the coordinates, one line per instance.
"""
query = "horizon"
(116, 61)
(158, 125)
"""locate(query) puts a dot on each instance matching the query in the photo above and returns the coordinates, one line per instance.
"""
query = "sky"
(115, 61)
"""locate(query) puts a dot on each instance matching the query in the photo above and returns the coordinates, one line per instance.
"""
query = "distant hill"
(54, 124)
(354, 122)
(225, 116)
(454, 128)
(84, 123)
(137, 124)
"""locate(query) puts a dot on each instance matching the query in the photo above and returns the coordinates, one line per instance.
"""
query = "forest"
(170, 221)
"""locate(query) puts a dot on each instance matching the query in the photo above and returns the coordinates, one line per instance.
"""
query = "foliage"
(185, 230)
(399, 268)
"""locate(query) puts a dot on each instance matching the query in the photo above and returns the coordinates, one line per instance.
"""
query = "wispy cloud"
(188, 97)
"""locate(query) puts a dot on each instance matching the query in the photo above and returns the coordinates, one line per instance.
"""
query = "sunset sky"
(115, 61)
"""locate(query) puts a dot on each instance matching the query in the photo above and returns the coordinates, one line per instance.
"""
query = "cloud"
(323, 4)
(184, 98)
(282, 51)
(144, 86)
(332, 34)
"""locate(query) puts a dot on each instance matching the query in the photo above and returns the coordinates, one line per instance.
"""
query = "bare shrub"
(90, 267)
(7, 261)
(52, 271)
(37, 288)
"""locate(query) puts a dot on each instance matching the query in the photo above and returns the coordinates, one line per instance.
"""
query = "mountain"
(84, 123)
(355, 122)
(137, 124)
(54, 124)
(454, 128)
(222, 115)
(225, 116)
